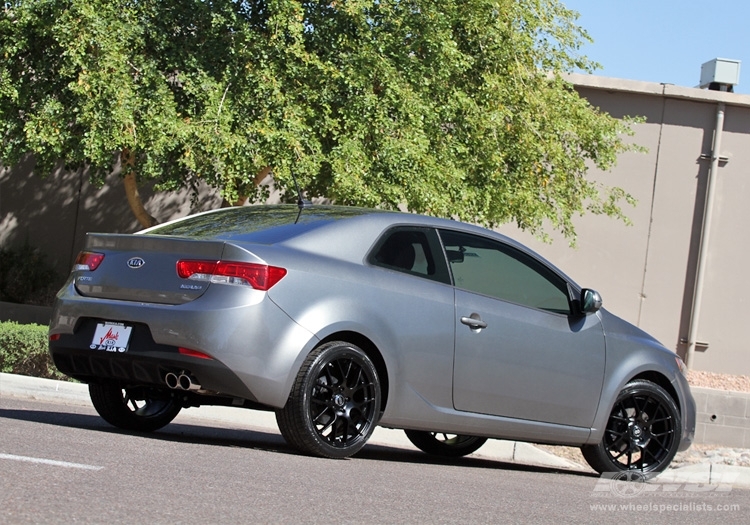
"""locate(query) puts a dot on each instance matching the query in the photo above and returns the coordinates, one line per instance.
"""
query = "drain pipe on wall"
(695, 311)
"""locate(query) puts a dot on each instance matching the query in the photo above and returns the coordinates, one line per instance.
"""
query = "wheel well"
(659, 379)
(372, 352)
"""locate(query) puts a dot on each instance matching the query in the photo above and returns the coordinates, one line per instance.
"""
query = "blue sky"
(665, 41)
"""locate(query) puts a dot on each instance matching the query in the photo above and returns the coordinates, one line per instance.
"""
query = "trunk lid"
(143, 268)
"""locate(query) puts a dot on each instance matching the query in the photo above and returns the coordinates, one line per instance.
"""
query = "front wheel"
(445, 445)
(334, 405)
(140, 409)
(642, 433)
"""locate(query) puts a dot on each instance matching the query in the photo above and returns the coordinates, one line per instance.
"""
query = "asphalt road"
(63, 464)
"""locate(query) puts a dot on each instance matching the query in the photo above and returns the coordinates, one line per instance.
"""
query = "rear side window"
(415, 251)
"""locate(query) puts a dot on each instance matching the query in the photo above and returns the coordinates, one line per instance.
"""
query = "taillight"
(88, 261)
(259, 276)
(195, 269)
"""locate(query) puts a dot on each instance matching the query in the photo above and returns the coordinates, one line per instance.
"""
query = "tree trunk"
(145, 219)
(262, 174)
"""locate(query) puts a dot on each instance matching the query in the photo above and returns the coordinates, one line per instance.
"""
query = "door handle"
(474, 322)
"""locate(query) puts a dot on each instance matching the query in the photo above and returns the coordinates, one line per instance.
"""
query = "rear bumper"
(146, 363)
(256, 348)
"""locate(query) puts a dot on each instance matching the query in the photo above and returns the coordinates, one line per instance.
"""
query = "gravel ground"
(696, 453)
(719, 381)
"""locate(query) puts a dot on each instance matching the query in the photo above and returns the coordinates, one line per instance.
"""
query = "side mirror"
(591, 301)
(455, 256)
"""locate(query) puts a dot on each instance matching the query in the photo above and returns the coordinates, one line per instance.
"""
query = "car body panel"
(501, 370)
(208, 326)
(632, 353)
(416, 342)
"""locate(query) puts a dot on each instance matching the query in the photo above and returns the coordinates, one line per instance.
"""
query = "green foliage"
(27, 277)
(449, 108)
(24, 350)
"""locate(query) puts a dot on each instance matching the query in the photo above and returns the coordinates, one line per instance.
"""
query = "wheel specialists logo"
(628, 484)
(632, 483)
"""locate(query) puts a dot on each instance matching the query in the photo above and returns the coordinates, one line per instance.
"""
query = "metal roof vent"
(720, 74)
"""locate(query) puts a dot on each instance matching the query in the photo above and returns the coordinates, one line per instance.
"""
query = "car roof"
(314, 227)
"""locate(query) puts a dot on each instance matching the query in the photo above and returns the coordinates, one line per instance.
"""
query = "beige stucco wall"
(645, 271)
(724, 313)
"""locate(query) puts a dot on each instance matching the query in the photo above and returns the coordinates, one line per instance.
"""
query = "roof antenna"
(301, 202)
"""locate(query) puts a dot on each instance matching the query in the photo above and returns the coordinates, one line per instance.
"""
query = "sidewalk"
(509, 451)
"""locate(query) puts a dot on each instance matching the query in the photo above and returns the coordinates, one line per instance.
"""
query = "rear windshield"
(263, 224)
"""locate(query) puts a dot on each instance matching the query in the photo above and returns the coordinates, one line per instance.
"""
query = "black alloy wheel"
(141, 409)
(642, 433)
(334, 405)
(443, 444)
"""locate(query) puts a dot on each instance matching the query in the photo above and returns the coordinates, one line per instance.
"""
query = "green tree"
(448, 108)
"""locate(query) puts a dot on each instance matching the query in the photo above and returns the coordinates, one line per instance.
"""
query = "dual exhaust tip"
(181, 381)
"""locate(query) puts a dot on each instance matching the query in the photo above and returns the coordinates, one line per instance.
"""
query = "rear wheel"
(334, 404)
(445, 445)
(141, 409)
(642, 433)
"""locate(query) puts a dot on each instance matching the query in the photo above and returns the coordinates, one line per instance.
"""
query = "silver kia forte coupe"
(340, 319)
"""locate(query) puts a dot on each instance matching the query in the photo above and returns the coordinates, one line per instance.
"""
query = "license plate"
(111, 337)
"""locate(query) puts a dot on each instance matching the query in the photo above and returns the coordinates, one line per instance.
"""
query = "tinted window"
(411, 250)
(492, 268)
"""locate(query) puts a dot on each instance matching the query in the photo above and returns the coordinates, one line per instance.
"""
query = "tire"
(334, 405)
(138, 409)
(445, 445)
(642, 433)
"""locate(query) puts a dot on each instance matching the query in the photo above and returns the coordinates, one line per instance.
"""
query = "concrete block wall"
(723, 417)
(25, 314)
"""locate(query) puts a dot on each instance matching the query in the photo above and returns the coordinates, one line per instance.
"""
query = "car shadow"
(176, 432)
(223, 436)
(379, 452)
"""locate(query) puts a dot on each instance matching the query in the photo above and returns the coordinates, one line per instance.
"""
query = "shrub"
(24, 350)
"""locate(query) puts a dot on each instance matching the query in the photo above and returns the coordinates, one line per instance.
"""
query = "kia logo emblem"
(135, 262)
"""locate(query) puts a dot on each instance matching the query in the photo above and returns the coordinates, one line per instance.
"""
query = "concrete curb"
(724, 477)
(509, 451)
